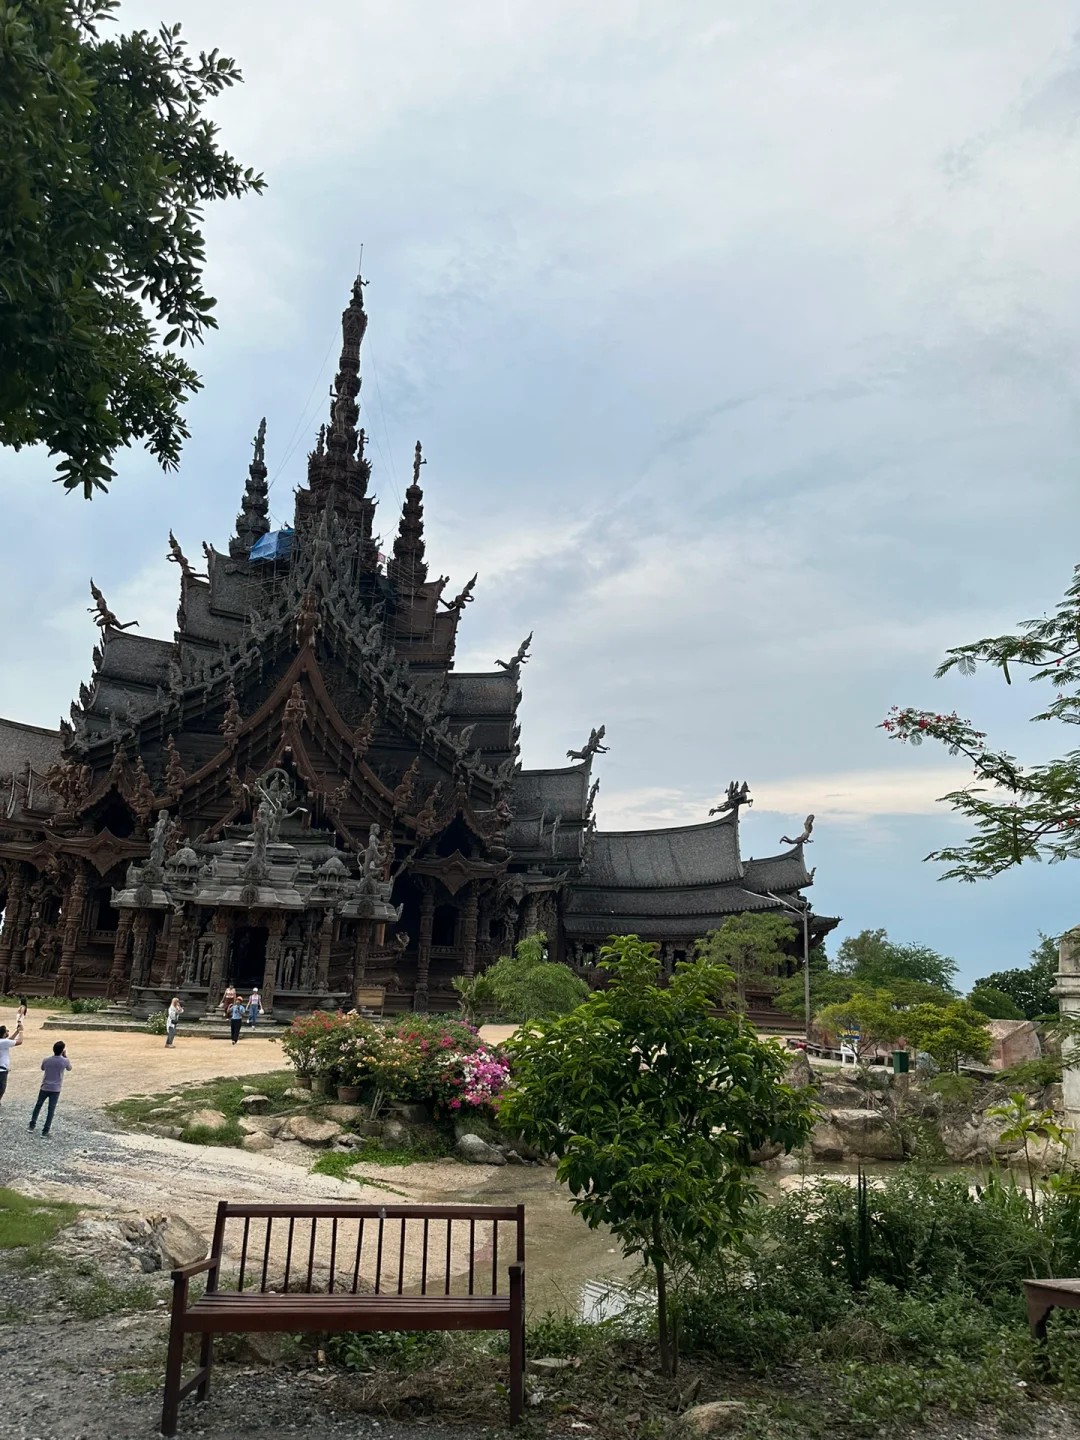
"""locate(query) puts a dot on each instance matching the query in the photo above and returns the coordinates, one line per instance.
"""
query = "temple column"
(468, 939)
(216, 982)
(120, 952)
(1067, 991)
(74, 912)
(423, 947)
(365, 934)
(273, 960)
(140, 951)
(12, 916)
(177, 929)
(326, 939)
(529, 924)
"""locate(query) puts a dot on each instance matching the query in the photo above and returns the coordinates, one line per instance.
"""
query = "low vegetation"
(25, 1221)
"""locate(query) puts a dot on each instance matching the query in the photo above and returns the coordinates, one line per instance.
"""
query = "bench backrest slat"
(341, 1243)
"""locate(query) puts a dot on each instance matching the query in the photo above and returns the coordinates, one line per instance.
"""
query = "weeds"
(26, 1221)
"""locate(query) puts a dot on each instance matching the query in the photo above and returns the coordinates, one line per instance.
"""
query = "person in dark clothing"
(236, 1019)
(53, 1068)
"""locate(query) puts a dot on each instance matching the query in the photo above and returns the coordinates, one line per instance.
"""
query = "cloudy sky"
(742, 340)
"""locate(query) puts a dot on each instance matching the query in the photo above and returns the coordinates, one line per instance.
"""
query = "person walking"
(7, 1044)
(172, 1019)
(228, 1000)
(254, 1007)
(53, 1067)
(236, 1019)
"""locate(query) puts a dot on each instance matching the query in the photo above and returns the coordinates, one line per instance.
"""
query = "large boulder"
(855, 1134)
(718, 1417)
(345, 1114)
(179, 1243)
(296, 1092)
(263, 1124)
(479, 1152)
(799, 1070)
(310, 1132)
(212, 1119)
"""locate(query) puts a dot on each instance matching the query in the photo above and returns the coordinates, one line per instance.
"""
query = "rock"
(478, 1152)
(258, 1348)
(832, 1094)
(864, 1134)
(345, 1114)
(294, 1092)
(166, 1132)
(179, 1243)
(799, 1070)
(257, 1140)
(160, 1110)
(512, 1157)
(249, 1089)
(263, 1124)
(395, 1135)
(718, 1417)
(765, 1153)
(255, 1104)
(826, 1142)
(311, 1132)
(212, 1119)
(411, 1114)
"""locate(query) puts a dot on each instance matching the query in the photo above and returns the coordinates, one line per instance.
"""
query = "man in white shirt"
(7, 1044)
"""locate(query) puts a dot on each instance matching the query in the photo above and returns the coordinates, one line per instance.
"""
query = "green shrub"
(1033, 1074)
(955, 1091)
(387, 1349)
(157, 1023)
(527, 986)
(89, 1006)
(227, 1134)
(26, 1221)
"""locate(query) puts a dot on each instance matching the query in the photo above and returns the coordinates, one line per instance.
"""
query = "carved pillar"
(216, 984)
(74, 912)
(326, 938)
(1067, 991)
(529, 923)
(140, 951)
(176, 926)
(12, 916)
(365, 932)
(423, 947)
(469, 913)
(120, 949)
(273, 959)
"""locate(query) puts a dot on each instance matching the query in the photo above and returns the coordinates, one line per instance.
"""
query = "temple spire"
(252, 523)
(408, 568)
(344, 411)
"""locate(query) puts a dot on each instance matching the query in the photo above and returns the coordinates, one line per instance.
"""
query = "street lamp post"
(804, 911)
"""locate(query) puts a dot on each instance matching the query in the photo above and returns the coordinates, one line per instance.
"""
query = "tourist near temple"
(299, 791)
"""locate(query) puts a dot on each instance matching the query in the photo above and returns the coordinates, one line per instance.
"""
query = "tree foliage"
(949, 1033)
(994, 1004)
(1017, 813)
(869, 1021)
(752, 948)
(106, 159)
(525, 985)
(1030, 989)
(873, 959)
(654, 1107)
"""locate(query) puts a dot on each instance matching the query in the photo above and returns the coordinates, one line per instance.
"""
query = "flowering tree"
(1018, 813)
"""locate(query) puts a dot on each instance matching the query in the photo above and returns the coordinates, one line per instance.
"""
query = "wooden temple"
(299, 791)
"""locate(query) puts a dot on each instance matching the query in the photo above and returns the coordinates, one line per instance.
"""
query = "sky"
(743, 345)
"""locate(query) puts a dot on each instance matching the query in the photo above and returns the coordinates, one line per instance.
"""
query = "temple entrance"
(248, 958)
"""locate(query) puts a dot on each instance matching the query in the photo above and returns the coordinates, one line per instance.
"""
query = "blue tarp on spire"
(275, 546)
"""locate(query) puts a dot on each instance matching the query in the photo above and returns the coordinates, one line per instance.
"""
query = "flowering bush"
(443, 1063)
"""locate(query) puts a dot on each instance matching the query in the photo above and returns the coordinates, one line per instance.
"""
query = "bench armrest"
(197, 1267)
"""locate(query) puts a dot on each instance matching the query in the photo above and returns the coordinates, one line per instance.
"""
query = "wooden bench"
(369, 1267)
(370, 999)
(1045, 1295)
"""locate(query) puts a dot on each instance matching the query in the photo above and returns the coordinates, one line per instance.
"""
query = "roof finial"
(252, 522)
(408, 568)
(418, 460)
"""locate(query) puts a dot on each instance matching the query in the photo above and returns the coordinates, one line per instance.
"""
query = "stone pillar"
(530, 925)
(140, 951)
(177, 930)
(1067, 991)
(423, 947)
(12, 916)
(468, 937)
(365, 932)
(120, 949)
(216, 982)
(326, 939)
(273, 959)
(74, 912)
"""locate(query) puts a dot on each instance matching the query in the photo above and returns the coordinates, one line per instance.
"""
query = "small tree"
(752, 948)
(1027, 1126)
(654, 1107)
(528, 986)
(948, 1033)
(869, 1018)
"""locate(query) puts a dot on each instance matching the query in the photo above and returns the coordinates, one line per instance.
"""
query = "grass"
(224, 1094)
(25, 1221)
(340, 1163)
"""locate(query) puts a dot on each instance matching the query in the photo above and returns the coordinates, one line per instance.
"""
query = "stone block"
(311, 1132)
(866, 1135)
(179, 1243)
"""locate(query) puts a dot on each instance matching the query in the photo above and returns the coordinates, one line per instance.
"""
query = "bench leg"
(174, 1364)
(1038, 1313)
(517, 1346)
(206, 1363)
